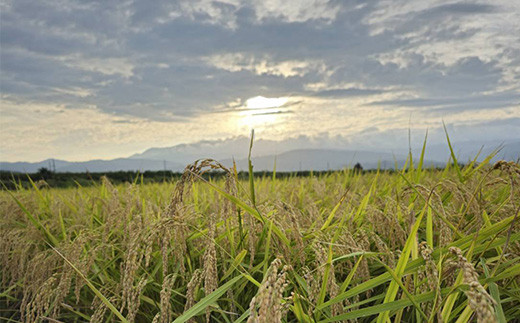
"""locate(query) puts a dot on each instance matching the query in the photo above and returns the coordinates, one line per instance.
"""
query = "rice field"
(413, 245)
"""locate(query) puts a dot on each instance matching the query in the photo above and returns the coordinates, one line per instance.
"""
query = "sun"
(260, 111)
(260, 102)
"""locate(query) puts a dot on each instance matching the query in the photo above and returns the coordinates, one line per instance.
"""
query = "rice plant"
(410, 245)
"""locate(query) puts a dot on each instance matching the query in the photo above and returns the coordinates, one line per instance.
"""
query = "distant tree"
(44, 173)
(358, 167)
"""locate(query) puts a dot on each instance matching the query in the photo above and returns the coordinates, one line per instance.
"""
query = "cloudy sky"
(105, 79)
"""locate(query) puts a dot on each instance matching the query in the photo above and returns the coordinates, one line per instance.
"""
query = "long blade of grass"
(267, 248)
(248, 209)
(347, 281)
(413, 265)
(472, 170)
(273, 180)
(326, 275)
(52, 239)
(237, 261)
(207, 301)
(452, 298)
(454, 158)
(251, 174)
(359, 216)
(333, 212)
(421, 160)
(108, 304)
(384, 307)
(429, 228)
(493, 290)
(442, 217)
(465, 315)
(401, 265)
(403, 288)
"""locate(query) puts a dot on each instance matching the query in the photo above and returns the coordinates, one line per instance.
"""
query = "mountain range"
(288, 154)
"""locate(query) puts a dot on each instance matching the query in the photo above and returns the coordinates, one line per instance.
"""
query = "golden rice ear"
(147, 252)
(478, 298)
(192, 286)
(165, 315)
(429, 281)
(266, 306)
(210, 262)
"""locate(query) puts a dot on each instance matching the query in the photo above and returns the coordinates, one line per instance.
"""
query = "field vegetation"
(13, 181)
(416, 245)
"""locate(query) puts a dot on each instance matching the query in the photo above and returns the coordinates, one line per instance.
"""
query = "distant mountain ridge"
(318, 154)
(94, 166)
(235, 147)
(294, 160)
(322, 159)
(238, 147)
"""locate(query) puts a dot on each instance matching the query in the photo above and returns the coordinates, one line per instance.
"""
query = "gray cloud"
(272, 113)
(491, 101)
(177, 60)
(343, 93)
(460, 8)
(179, 35)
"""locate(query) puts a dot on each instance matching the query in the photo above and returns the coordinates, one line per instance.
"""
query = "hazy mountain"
(236, 147)
(468, 150)
(25, 167)
(322, 159)
(120, 164)
(300, 153)
(301, 159)
(124, 164)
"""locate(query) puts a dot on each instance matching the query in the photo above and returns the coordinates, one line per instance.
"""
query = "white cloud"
(95, 79)
(445, 32)
(224, 12)
(106, 65)
(75, 91)
(264, 65)
(296, 10)
(221, 12)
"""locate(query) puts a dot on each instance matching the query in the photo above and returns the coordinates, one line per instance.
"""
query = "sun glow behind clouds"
(261, 111)
(260, 102)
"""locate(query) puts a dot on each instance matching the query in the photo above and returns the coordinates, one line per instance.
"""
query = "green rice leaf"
(206, 301)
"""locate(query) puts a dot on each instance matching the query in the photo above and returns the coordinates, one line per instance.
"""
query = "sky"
(105, 79)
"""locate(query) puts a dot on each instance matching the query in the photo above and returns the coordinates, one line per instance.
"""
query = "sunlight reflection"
(261, 111)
